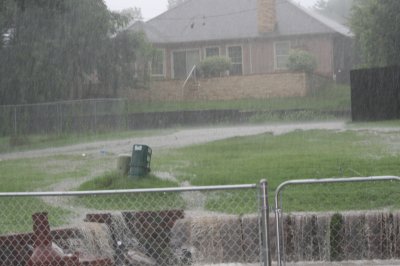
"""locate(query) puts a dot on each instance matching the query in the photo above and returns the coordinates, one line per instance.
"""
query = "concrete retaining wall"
(282, 84)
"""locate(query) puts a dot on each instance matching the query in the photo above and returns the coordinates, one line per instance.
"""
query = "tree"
(63, 49)
(174, 3)
(7, 11)
(376, 25)
(338, 10)
(132, 14)
(125, 65)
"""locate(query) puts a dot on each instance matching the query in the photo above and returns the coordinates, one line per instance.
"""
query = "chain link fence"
(317, 222)
(342, 221)
(173, 226)
(77, 116)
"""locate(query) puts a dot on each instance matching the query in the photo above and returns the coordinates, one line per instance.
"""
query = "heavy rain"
(199, 132)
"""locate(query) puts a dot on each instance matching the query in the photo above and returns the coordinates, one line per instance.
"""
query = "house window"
(282, 50)
(157, 64)
(235, 54)
(212, 51)
(183, 62)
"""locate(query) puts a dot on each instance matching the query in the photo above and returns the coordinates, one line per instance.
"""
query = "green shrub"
(300, 60)
(214, 66)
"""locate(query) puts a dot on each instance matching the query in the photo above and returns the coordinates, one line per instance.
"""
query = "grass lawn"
(21, 143)
(297, 155)
(112, 180)
(300, 154)
(332, 97)
(239, 160)
(36, 174)
(139, 201)
(312, 107)
(32, 174)
(17, 213)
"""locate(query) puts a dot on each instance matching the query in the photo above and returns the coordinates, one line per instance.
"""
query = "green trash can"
(140, 161)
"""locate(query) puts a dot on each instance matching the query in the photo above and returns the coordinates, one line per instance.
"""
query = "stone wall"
(282, 84)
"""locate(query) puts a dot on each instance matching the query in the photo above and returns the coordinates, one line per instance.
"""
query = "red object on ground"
(45, 255)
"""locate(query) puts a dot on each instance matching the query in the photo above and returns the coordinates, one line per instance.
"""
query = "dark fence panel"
(375, 94)
(78, 116)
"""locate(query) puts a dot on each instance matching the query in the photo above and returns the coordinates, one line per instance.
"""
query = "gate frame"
(261, 191)
(278, 196)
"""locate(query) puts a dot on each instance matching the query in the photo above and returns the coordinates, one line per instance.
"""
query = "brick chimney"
(266, 15)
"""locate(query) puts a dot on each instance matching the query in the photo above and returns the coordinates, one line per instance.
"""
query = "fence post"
(95, 116)
(59, 116)
(15, 120)
(266, 248)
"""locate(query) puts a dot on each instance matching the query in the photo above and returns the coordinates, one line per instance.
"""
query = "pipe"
(266, 247)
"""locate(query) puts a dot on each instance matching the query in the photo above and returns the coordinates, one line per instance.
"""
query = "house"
(257, 35)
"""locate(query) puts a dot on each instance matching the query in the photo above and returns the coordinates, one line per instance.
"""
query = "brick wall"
(266, 15)
(320, 46)
(283, 84)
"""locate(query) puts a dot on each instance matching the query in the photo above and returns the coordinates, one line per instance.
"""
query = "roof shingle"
(211, 20)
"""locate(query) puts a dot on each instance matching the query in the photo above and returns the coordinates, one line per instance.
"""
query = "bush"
(300, 60)
(214, 66)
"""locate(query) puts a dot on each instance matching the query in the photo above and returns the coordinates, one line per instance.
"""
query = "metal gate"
(316, 234)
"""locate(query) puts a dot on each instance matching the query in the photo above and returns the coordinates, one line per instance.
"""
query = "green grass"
(341, 197)
(377, 124)
(313, 107)
(332, 97)
(113, 180)
(301, 154)
(233, 202)
(297, 155)
(36, 174)
(21, 143)
(17, 213)
(30, 174)
(137, 201)
(293, 116)
(239, 160)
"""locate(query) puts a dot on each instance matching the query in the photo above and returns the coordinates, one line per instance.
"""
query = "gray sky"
(152, 8)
